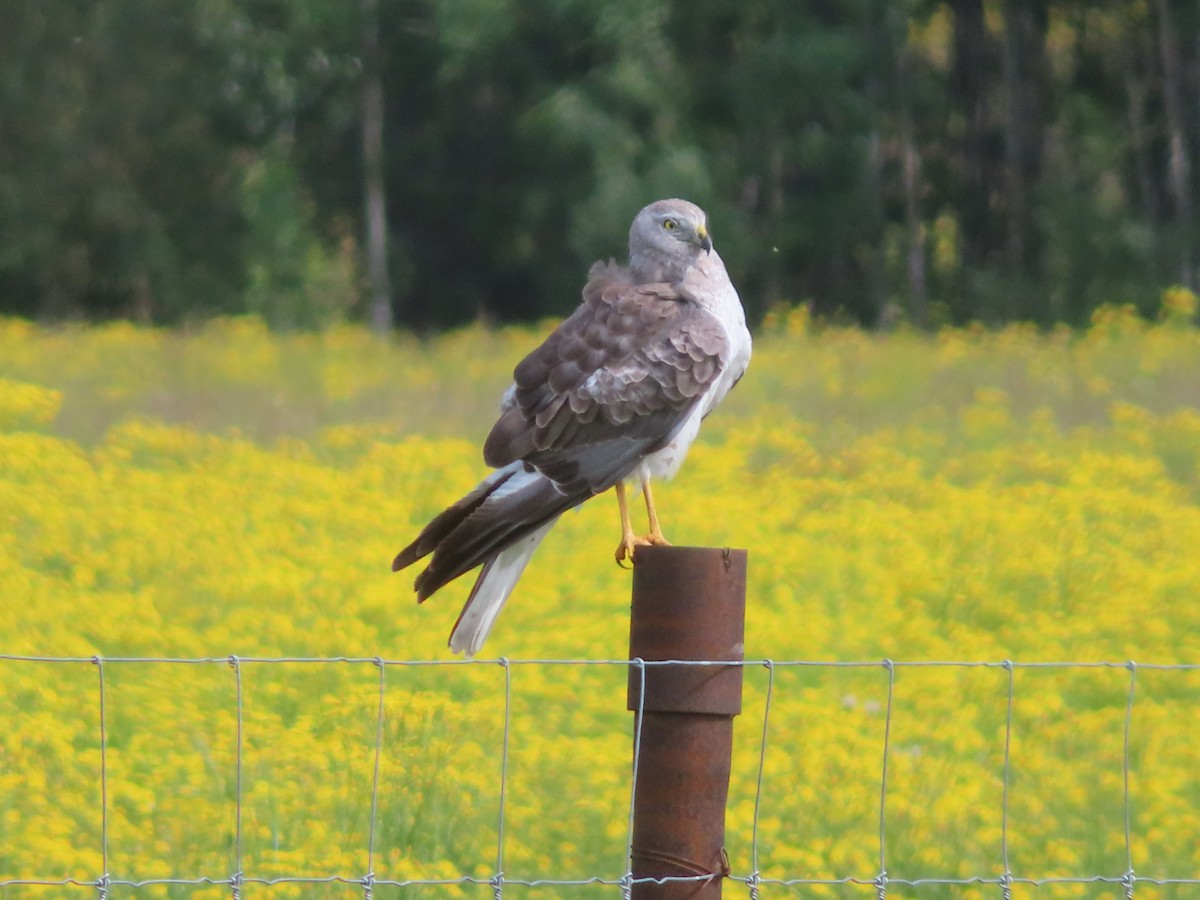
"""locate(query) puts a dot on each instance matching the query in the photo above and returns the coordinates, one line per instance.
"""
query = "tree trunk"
(775, 170)
(374, 186)
(910, 171)
(1136, 92)
(1179, 166)
(873, 260)
(918, 299)
(878, 38)
(979, 161)
(1027, 85)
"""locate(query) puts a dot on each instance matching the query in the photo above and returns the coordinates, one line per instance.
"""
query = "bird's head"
(668, 235)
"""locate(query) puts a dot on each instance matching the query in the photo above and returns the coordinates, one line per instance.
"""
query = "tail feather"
(445, 522)
(481, 525)
(492, 588)
(497, 525)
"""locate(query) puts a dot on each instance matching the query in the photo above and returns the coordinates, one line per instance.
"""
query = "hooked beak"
(705, 240)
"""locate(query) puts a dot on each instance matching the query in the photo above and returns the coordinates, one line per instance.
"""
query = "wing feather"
(611, 384)
(499, 513)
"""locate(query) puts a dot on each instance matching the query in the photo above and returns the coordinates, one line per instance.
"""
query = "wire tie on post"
(695, 869)
(626, 884)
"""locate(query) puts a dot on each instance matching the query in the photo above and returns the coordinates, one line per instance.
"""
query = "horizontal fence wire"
(879, 881)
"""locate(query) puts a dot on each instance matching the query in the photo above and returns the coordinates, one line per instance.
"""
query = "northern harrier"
(615, 394)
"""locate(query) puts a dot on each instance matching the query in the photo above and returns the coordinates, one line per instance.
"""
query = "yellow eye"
(670, 224)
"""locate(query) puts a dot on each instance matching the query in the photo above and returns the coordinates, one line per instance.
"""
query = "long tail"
(497, 580)
(498, 525)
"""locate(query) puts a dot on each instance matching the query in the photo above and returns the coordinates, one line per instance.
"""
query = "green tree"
(441, 160)
(116, 164)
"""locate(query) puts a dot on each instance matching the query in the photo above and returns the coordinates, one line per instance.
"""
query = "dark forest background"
(428, 162)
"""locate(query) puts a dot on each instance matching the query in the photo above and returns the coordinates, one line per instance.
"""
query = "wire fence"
(879, 881)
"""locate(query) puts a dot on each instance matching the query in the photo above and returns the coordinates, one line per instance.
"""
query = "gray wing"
(613, 383)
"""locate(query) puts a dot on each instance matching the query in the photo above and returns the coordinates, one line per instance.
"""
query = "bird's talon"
(628, 545)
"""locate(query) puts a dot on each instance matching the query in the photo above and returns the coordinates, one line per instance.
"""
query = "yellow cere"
(974, 495)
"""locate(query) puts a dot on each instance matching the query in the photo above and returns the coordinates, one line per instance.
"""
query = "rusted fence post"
(689, 603)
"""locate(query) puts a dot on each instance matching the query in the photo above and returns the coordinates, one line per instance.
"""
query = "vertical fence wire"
(755, 873)
(1129, 879)
(369, 879)
(1006, 875)
(498, 878)
(881, 879)
(638, 717)
(102, 881)
(235, 880)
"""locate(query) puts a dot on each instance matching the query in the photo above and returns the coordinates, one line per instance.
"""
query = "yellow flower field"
(975, 496)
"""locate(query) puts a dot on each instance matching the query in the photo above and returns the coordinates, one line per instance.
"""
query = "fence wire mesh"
(1001, 877)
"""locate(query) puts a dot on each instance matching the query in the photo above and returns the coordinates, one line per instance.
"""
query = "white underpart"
(495, 583)
(665, 463)
(726, 306)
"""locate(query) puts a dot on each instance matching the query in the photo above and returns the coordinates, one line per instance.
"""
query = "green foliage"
(952, 160)
(117, 164)
(294, 281)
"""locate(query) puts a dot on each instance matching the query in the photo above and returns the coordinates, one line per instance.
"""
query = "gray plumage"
(616, 391)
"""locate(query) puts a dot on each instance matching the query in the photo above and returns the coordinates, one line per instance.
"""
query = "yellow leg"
(655, 536)
(628, 541)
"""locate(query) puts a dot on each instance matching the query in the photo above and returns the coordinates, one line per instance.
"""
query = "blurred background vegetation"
(428, 162)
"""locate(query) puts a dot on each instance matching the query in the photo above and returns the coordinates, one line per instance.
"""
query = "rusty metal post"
(689, 603)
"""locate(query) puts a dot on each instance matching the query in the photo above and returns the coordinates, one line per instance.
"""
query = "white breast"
(724, 303)
(665, 463)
